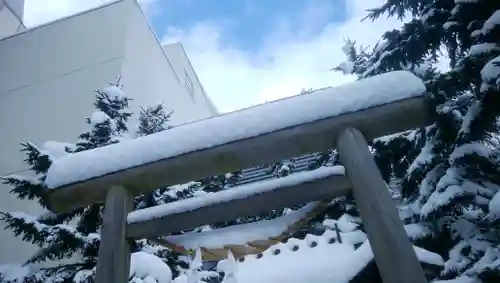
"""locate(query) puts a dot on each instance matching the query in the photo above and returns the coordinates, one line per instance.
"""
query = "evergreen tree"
(75, 235)
(153, 120)
(50, 232)
(448, 171)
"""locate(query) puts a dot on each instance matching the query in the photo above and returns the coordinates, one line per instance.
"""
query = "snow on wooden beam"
(250, 199)
(243, 239)
(302, 124)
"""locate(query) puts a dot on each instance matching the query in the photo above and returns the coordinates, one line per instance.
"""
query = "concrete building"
(48, 75)
(11, 14)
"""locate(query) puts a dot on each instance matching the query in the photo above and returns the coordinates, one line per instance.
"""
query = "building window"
(188, 83)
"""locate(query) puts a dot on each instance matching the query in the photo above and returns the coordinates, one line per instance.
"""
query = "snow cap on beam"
(378, 105)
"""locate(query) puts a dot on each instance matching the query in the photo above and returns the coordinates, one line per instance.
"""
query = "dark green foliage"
(448, 173)
(153, 120)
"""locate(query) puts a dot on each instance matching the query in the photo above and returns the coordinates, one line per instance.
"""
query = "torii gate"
(370, 108)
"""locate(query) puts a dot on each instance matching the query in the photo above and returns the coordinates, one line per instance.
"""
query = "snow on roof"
(314, 259)
(238, 125)
(240, 192)
(324, 263)
(298, 261)
(241, 234)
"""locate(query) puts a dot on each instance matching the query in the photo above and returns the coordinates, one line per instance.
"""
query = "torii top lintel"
(377, 106)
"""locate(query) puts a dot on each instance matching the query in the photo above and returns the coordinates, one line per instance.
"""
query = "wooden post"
(392, 250)
(113, 263)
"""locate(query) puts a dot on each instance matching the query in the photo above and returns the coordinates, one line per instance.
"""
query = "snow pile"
(238, 125)
(290, 262)
(144, 268)
(241, 192)
(287, 263)
(335, 258)
(148, 268)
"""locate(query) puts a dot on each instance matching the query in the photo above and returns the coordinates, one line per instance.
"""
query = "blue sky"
(247, 52)
(245, 24)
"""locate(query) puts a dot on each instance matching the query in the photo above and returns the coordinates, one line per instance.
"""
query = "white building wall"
(17, 6)
(11, 14)
(47, 80)
(154, 78)
(188, 78)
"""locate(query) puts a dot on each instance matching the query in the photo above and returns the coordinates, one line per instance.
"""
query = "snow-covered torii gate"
(342, 117)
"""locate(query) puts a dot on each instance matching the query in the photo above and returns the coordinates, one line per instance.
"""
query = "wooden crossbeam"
(285, 196)
(244, 153)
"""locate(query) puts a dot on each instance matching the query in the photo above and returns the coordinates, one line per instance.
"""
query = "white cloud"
(37, 12)
(286, 63)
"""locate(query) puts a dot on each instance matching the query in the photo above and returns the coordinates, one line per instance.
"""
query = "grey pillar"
(113, 263)
(393, 251)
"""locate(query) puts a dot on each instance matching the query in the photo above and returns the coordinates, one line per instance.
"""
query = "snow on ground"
(238, 125)
(241, 192)
(148, 268)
